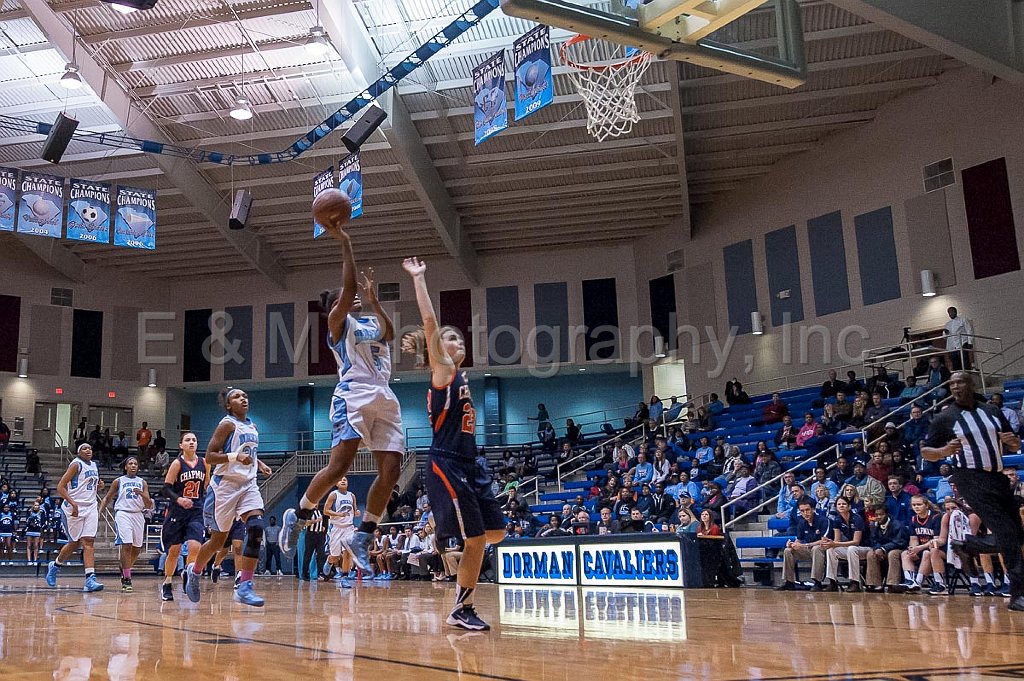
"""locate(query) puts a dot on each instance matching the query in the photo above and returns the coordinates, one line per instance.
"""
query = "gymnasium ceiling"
(542, 183)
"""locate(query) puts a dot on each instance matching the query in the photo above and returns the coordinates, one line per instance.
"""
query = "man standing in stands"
(974, 435)
(958, 334)
(143, 436)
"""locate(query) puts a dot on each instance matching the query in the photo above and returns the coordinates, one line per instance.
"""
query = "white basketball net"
(606, 77)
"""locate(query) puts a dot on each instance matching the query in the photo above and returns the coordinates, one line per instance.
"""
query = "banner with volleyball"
(42, 205)
(135, 218)
(8, 198)
(324, 180)
(531, 61)
(350, 181)
(490, 115)
(89, 211)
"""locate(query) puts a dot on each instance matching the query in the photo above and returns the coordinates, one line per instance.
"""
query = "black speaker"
(59, 138)
(364, 127)
(240, 209)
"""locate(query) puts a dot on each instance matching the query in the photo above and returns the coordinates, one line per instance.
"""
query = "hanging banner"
(89, 214)
(42, 205)
(531, 59)
(489, 113)
(135, 218)
(8, 194)
(351, 182)
(324, 180)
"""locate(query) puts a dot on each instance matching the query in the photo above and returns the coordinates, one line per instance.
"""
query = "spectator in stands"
(527, 463)
(1011, 414)
(607, 524)
(958, 334)
(841, 471)
(644, 501)
(904, 470)
(881, 383)
(96, 441)
(892, 436)
(554, 528)
(820, 442)
(705, 421)
(869, 489)
(832, 386)
(732, 466)
(662, 505)
(715, 405)
(715, 498)
(786, 501)
(851, 494)
(876, 411)
(878, 468)
(889, 539)
(675, 407)
(766, 470)
(641, 415)
(856, 421)
(785, 437)
(741, 491)
(655, 409)
(81, 433)
(705, 454)
(806, 431)
(572, 433)
(581, 524)
(912, 391)
(661, 466)
(824, 505)
(925, 551)
(897, 501)
(774, 411)
(915, 430)
(565, 454)
(1016, 484)
(623, 505)
(829, 422)
(854, 452)
(548, 438)
(821, 480)
(944, 487)
(812, 532)
(847, 533)
(120, 446)
(684, 488)
(541, 418)
(634, 523)
(843, 409)
(685, 522)
(708, 527)
(734, 393)
(32, 466)
(853, 384)
(159, 451)
(5, 435)
(643, 472)
(937, 375)
(143, 438)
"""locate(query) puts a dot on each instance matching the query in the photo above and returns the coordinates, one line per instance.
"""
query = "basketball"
(332, 208)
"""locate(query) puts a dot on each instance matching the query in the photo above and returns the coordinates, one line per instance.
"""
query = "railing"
(534, 480)
(756, 491)
(1000, 371)
(790, 382)
(310, 463)
(279, 481)
(561, 476)
(908, 406)
(923, 348)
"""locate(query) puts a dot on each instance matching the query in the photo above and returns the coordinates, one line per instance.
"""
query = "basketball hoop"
(606, 75)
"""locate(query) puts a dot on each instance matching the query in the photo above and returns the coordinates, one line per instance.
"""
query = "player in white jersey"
(79, 515)
(233, 493)
(341, 509)
(363, 407)
(130, 495)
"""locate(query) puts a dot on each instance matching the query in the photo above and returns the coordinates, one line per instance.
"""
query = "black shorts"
(461, 498)
(183, 525)
(237, 531)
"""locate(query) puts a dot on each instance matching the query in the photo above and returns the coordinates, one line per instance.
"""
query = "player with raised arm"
(233, 493)
(79, 516)
(458, 486)
(130, 495)
(185, 486)
(341, 509)
(363, 407)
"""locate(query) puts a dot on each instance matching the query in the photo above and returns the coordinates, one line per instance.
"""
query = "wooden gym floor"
(396, 630)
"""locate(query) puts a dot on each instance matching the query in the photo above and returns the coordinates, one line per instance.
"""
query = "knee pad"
(253, 536)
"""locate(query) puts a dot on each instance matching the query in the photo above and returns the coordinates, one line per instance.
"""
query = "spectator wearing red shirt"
(878, 468)
(774, 410)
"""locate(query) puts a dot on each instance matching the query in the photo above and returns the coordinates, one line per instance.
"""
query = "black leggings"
(991, 497)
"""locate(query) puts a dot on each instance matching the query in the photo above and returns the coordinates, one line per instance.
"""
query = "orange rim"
(579, 38)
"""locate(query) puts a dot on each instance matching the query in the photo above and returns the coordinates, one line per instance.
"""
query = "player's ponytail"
(328, 299)
(415, 343)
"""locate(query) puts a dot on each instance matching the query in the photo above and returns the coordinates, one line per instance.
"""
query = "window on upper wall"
(389, 292)
(62, 296)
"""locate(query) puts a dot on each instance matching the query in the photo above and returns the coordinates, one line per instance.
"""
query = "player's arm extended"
(369, 293)
(336, 315)
(215, 453)
(441, 365)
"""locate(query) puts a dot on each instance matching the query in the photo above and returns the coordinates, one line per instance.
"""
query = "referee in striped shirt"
(974, 434)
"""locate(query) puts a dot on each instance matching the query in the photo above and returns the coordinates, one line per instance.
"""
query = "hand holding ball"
(332, 208)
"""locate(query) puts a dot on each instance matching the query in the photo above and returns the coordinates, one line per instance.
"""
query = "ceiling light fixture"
(242, 111)
(123, 9)
(71, 80)
(129, 6)
(317, 44)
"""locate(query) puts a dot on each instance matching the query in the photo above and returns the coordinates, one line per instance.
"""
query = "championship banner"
(489, 113)
(135, 218)
(324, 180)
(42, 205)
(89, 214)
(531, 59)
(351, 182)
(8, 193)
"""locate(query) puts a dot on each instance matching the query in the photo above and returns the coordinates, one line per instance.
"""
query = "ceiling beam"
(179, 172)
(56, 255)
(221, 53)
(830, 121)
(679, 128)
(346, 29)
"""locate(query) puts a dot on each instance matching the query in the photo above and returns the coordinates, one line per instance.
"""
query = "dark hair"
(806, 502)
(181, 438)
(329, 298)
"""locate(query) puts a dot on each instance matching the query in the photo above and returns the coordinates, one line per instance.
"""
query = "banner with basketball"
(42, 205)
(350, 181)
(531, 60)
(89, 211)
(8, 198)
(135, 218)
(324, 180)
(489, 113)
